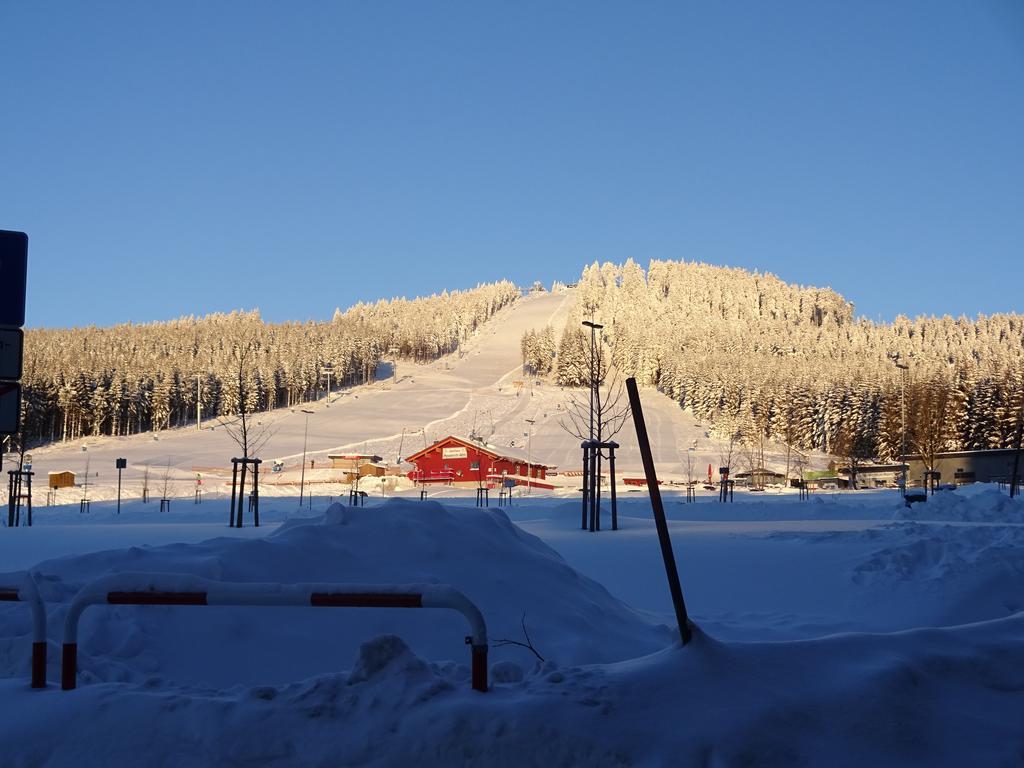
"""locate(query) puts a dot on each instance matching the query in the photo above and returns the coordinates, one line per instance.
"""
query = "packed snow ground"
(842, 630)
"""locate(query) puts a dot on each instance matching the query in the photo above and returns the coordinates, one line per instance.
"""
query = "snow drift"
(511, 575)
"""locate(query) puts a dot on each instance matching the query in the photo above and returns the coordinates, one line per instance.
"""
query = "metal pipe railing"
(28, 592)
(174, 589)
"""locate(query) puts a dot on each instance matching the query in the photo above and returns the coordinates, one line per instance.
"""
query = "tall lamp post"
(903, 420)
(302, 477)
(595, 480)
(328, 370)
(199, 402)
(1015, 477)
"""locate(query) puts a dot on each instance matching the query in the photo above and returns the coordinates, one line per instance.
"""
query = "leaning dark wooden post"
(659, 512)
(611, 471)
(234, 484)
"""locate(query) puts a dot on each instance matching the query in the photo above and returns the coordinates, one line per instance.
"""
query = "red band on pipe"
(7, 596)
(156, 598)
(367, 600)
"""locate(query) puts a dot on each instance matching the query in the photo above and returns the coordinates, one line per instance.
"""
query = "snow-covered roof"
(509, 454)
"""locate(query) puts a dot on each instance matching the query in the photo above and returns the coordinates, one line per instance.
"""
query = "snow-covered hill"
(479, 390)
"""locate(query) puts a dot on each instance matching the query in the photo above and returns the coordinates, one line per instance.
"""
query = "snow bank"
(818, 507)
(925, 573)
(927, 697)
(508, 573)
(969, 504)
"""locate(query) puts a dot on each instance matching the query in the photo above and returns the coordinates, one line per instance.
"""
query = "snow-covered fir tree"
(131, 378)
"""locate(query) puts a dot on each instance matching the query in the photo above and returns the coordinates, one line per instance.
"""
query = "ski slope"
(481, 389)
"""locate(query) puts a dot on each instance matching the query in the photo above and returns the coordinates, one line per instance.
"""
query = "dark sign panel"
(12, 341)
(13, 271)
(10, 407)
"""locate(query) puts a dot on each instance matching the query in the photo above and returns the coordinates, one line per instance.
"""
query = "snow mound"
(819, 507)
(933, 697)
(960, 573)
(507, 572)
(385, 653)
(969, 505)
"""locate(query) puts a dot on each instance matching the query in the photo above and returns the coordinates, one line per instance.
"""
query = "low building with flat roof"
(959, 467)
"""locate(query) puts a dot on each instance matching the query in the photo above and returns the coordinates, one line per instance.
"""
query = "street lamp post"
(595, 479)
(199, 402)
(302, 478)
(903, 420)
(328, 369)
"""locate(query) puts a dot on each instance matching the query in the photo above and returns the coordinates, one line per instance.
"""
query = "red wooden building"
(456, 461)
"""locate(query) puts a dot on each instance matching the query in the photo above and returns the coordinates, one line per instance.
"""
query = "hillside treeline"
(755, 356)
(132, 378)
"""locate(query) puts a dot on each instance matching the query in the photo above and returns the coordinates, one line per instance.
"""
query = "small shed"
(352, 461)
(63, 479)
(372, 469)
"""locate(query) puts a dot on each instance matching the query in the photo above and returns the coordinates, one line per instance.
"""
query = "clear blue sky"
(188, 157)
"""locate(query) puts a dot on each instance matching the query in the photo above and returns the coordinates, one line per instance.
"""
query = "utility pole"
(903, 419)
(199, 402)
(1015, 478)
(328, 369)
(305, 434)
(595, 479)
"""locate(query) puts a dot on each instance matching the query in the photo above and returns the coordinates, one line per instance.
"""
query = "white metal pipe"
(28, 592)
(180, 589)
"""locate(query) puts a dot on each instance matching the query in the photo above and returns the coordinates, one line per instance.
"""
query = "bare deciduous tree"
(249, 437)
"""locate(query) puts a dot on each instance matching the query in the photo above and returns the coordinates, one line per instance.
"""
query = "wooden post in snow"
(234, 482)
(611, 471)
(685, 633)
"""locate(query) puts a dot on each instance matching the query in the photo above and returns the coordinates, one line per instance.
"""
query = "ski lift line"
(178, 590)
(28, 592)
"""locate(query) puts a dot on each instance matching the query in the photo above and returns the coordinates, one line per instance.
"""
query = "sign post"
(120, 464)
